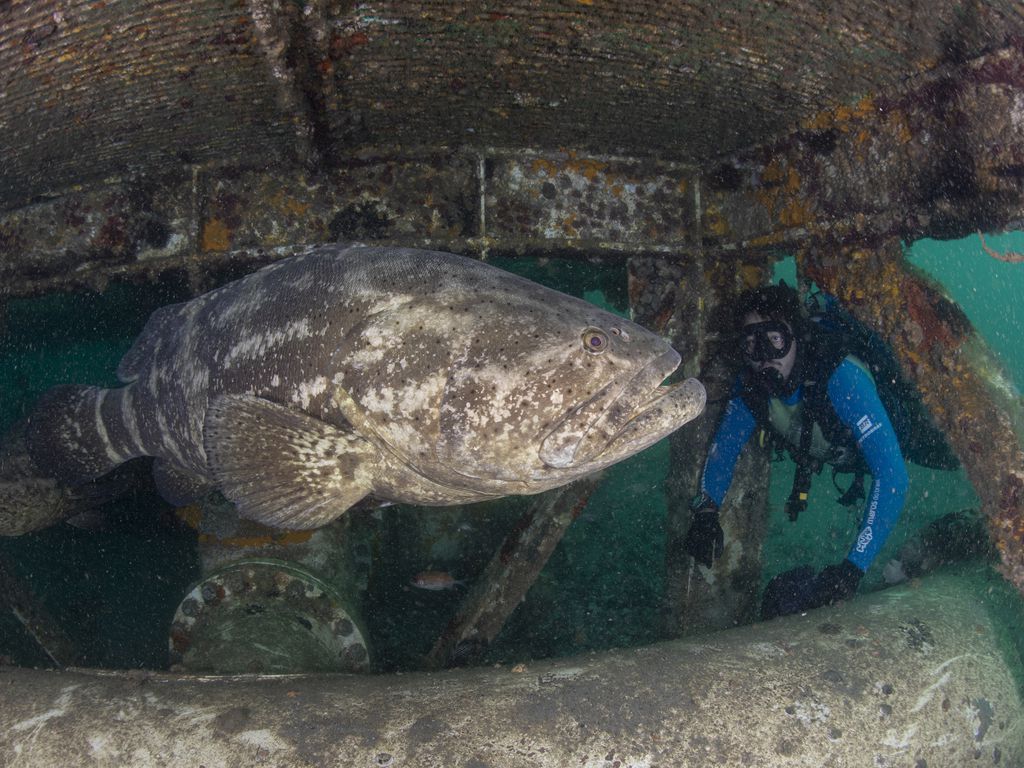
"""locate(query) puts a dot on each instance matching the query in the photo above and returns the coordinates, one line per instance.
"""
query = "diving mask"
(767, 340)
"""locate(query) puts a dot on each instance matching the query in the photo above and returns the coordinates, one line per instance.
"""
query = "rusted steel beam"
(510, 574)
(959, 379)
(909, 676)
(690, 305)
(938, 157)
(487, 202)
(17, 597)
(699, 599)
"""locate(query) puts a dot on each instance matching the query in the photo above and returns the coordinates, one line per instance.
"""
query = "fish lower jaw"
(669, 408)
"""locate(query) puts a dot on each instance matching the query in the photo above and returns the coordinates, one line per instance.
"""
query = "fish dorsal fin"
(159, 329)
(282, 467)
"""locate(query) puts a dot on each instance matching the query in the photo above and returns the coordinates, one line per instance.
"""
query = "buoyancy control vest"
(809, 429)
(813, 433)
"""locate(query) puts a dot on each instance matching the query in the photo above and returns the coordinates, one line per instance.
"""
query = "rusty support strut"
(958, 377)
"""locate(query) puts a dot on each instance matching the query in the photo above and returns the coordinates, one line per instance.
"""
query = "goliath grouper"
(351, 372)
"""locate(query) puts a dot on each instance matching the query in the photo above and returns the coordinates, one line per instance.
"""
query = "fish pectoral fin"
(282, 467)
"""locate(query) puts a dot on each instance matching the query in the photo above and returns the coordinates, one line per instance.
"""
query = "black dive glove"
(835, 582)
(705, 540)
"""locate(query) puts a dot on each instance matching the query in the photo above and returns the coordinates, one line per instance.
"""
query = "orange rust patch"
(215, 237)
(543, 165)
(190, 515)
(795, 214)
(792, 181)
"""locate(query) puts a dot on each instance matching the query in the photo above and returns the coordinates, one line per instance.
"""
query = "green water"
(115, 589)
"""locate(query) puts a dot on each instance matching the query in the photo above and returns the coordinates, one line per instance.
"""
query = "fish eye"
(595, 341)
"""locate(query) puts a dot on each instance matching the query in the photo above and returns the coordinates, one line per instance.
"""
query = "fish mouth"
(620, 420)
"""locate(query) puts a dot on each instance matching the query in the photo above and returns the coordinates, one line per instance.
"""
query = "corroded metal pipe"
(913, 676)
(958, 377)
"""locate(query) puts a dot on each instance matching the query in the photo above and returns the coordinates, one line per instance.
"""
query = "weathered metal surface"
(90, 93)
(108, 227)
(509, 575)
(596, 200)
(270, 600)
(427, 198)
(959, 379)
(905, 677)
(699, 599)
(940, 156)
(690, 306)
(91, 90)
(233, 219)
(270, 616)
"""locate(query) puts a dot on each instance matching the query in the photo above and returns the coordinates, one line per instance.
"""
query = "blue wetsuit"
(853, 395)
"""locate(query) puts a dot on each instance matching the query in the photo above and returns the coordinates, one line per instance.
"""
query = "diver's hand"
(836, 582)
(705, 540)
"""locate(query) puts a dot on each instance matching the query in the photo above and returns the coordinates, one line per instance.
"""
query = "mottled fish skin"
(412, 376)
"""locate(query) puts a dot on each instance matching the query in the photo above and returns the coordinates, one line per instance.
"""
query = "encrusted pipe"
(913, 676)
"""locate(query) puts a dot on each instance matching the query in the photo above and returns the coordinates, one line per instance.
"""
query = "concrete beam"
(915, 676)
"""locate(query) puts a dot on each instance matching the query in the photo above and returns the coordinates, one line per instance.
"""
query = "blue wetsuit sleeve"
(856, 402)
(734, 429)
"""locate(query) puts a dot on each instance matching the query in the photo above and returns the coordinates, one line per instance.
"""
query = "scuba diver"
(807, 392)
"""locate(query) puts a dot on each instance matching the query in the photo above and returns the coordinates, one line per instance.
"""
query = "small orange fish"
(436, 580)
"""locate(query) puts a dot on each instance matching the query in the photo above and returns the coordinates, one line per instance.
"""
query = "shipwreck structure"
(695, 142)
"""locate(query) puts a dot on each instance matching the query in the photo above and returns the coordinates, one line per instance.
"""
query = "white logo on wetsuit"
(866, 428)
(867, 534)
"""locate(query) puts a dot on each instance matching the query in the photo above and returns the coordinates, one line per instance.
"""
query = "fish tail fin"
(72, 434)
